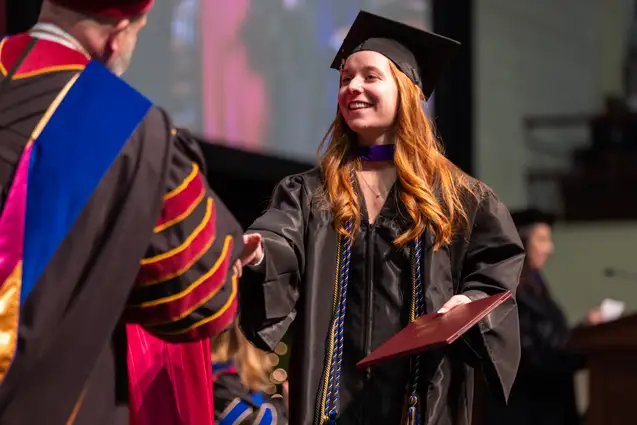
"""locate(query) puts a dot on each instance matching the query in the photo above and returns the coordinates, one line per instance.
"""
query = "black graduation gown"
(70, 363)
(544, 391)
(295, 285)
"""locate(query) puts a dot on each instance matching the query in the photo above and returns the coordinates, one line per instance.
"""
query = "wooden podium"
(611, 350)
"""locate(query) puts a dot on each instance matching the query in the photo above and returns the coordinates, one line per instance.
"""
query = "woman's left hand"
(454, 301)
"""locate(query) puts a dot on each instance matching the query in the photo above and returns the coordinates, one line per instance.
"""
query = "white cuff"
(261, 260)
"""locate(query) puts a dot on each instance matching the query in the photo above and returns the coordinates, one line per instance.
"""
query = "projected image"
(254, 74)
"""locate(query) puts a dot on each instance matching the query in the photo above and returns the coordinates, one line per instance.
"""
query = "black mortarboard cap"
(419, 54)
(531, 216)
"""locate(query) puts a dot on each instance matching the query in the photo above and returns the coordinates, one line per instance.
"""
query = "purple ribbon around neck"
(376, 153)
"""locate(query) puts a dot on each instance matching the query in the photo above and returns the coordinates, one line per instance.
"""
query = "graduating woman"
(384, 230)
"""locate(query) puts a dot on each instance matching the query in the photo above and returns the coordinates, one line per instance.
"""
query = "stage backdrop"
(253, 74)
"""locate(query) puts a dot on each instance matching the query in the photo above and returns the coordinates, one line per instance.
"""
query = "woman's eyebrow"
(365, 68)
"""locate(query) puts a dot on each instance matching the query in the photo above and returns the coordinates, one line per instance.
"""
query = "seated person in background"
(543, 392)
(240, 375)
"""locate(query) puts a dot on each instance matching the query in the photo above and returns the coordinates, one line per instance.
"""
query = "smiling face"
(368, 96)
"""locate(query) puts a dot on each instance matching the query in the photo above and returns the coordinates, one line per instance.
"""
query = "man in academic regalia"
(111, 242)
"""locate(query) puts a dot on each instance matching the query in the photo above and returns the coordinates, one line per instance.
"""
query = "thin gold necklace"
(375, 192)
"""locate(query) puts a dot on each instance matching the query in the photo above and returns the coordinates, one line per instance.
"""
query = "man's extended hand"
(237, 268)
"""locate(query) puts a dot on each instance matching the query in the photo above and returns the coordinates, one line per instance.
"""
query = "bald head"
(109, 40)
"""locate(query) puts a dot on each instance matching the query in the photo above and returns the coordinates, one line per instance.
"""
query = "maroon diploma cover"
(434, 330)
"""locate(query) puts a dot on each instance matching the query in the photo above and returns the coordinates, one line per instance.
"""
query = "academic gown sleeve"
(185, 289)
(269, 291)
(492, 264)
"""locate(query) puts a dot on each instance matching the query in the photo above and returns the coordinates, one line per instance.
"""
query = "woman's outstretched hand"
(252, 253)
(252, 249)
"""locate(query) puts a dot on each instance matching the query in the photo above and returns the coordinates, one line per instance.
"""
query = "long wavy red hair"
(432, 189)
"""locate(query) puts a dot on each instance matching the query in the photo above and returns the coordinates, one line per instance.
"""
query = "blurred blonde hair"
(252, 364)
